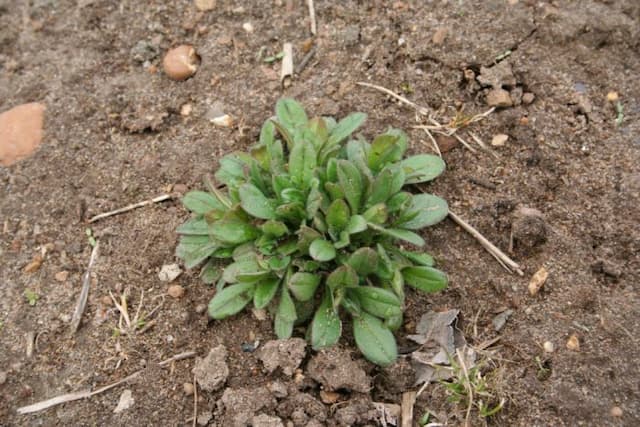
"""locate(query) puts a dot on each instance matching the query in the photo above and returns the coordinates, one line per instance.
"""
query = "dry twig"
(195, 401)
(287, 65)
(500, 256)
(131, 207)
(312, 17)
(84, 292)
(408, 400)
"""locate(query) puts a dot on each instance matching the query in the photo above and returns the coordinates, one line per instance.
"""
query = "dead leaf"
(34, 265)
(125, 402)
(538, 280)
(573, 343)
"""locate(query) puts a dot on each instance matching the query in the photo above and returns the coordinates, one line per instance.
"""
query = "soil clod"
(336, 370)
(212, 371)
(284, 354)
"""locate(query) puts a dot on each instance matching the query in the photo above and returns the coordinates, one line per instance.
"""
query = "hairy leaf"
(255, 203)
(351, 183)
(290, 113)
(326, 327)
(364, 261)
(230, 300)
(346, 127)
(426, 279)
(322, 250)
(201, 202)
(265, 291)
(374, 340)
(303, 285)
(422, 168)
(233, 232)
(302, 164)
(425, 210)
(377, 301)
(285, 315)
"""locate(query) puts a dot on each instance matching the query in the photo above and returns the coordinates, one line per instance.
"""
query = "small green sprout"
(31, 297)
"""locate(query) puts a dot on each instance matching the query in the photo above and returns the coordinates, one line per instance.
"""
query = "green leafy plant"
(31, 296)
(469, 386)
(311, 222)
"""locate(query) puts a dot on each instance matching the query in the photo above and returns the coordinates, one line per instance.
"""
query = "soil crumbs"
(118, 131)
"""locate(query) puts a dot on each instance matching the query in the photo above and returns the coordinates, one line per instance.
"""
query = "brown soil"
(114, 135)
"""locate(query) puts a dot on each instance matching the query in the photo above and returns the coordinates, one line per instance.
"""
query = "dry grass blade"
(408, 400)
(70, 397)
(131, 207)
(421, 110)
(84, 292)
(286, 71)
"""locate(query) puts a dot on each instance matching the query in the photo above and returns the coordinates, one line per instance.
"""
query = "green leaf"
(290, 113)
(399, 202)
(231, 170)
(303, 285)
(255, 203)
(376, 342)
(337, 216)
(265, 291)
(194, 255)
(346, 127)
(210, 273)
(201, 202)
(387, 183)
(397, 284)
(292, 212)
(230, 300)
(400, 234)
(322, 250)
(393, 323)
(364, 261)
(233, 231)
(385, 268)
(306, 235)
(291, 195)
(377, 301)
(326, 326)
(315, 199)
(422, 168)
(285, 316)
(376, 214)
(419, 258)
(424, 210)
(194, 226)
(357, 223)
(385, 149)
(318, 127)
(274, 228)
(426, 279)
(302, 163)
(335, 190)
(244, 268)
(351, 183)
(343, 276)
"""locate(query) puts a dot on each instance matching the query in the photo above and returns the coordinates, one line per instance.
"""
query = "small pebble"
(188, 388)
(176, 291)
(439, 36)
(169, 272)
(205, 5)
(616, 411)
(185, 110)
(62, 276)
(106, 300)
(499, 140)
(573, 343)
(612, 97)
(201, 308)
(329, 397)
(181, 62)
(499, 98)
(224, 121)
(527, 98)
(548, 347)
(248, 27)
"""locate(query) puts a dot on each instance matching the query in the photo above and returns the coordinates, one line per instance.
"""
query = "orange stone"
(20, 132)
